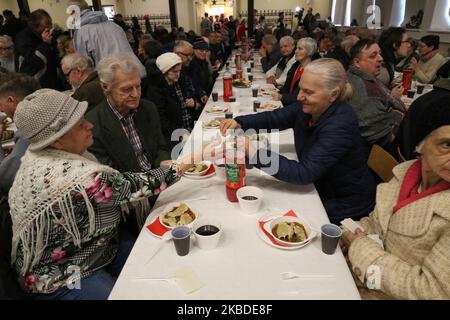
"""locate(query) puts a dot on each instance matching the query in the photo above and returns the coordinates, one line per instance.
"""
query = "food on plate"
(270, 106)
(198, 168)
(178, 216)
(268, 91)
(213, 124)
(292, 232)
(216, 109)
(7, 135)
(242, 83)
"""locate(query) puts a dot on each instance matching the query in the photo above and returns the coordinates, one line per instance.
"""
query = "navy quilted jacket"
(330, 156)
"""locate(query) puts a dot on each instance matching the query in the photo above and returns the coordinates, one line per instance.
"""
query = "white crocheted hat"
(167, 61)
(46, 115)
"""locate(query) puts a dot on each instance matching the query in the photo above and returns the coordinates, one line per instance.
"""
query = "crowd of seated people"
(120, 96)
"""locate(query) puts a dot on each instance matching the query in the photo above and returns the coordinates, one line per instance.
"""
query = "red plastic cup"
(407, 80)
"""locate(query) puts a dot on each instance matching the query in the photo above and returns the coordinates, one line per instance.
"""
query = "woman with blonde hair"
(65, 45)
(327, 142)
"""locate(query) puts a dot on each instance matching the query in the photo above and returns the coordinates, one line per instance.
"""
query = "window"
(441, 16)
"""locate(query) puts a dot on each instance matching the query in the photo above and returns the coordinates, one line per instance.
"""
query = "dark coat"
(289, 98)
(201, 77)
(271, 59)
(39, 58)
(405, 141)
(167, 103)
(330, 156)
(91, 91)
(111, 145)
(340, 55)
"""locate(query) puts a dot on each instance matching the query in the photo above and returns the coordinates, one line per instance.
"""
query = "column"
(97, 4)
(173, 13)
(250, 17)
(23, 6)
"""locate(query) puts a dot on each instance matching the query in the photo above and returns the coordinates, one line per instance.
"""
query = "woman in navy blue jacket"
(327, 142)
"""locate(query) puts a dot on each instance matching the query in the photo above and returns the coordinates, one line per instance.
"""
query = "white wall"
(10, 5)
(186, 14)
(358, 11)
(321, 6)
(145, 7)
(441, 19)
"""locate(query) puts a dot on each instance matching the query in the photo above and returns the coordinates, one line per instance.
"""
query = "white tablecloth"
(243, 266)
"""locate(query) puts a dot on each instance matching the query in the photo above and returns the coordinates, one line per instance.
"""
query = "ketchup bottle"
(227, 86)
(235, 170)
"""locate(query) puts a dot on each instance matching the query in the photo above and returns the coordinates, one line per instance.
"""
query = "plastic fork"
(292, 275)
(166, 236)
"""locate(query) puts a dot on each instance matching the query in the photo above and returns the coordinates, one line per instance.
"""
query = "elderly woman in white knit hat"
(411, 221)
(66, 207)
(176, 107)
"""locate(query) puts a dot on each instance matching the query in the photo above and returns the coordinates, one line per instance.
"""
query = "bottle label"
(235, 175)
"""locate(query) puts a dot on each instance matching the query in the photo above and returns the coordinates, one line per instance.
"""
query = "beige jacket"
(426, 71)
(415, 261)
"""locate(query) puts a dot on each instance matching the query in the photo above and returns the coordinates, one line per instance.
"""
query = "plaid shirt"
(132, 133)
(186, 118)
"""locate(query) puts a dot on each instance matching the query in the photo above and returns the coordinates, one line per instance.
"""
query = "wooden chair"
(382, 163)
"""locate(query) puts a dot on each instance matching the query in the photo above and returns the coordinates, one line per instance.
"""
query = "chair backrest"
(382, 163)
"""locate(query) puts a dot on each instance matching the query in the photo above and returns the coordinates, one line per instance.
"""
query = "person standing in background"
(280, 26)
(205, 25)
(37, 51)
(98, 37)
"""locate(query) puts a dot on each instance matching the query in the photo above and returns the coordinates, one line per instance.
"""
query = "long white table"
(243, 266)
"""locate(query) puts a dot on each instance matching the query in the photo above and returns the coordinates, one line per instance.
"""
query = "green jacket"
(111, 145)
(91, 91)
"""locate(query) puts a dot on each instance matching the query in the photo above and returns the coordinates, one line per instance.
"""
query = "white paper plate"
(217, 110)
(277, 105)
(269, 217)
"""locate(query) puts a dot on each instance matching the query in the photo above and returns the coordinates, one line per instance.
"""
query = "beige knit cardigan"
(426, 71)
(415, 261)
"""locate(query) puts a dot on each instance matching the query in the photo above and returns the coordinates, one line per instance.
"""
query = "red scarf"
(297, 76)
(409, 191)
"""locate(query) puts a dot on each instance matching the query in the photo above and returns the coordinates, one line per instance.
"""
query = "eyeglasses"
(6, 48)
(68, 73)
(186, 55)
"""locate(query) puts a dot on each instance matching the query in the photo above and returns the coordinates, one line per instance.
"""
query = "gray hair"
(309, 44)
(179, 44)
(6, 40)
(77, 60)
(269, 39)
(80, 3)
(332, 75)
(287, 40)
(108, 66)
